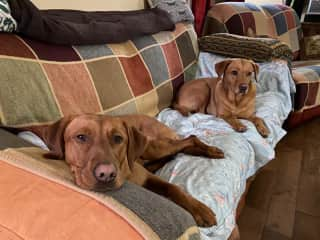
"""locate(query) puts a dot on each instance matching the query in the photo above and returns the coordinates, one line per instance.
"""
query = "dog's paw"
(214, 152)
(240, 127)
(264, 131)
(203, 215)
(262, 128)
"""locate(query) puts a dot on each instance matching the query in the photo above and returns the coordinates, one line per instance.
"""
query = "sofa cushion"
(307, 79)
(306, 75)
(257, 49)
(247, 19)
(138, 76)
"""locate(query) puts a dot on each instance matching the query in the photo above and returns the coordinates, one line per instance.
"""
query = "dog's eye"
(249, 74)
(82, 138)
(117, 139)
(235, 73)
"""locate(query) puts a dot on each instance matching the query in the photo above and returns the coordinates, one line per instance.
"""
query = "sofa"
(279, 22)
(41, 83)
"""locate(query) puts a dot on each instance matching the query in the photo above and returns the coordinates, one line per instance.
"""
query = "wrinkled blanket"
(71, 27)
(219, 183)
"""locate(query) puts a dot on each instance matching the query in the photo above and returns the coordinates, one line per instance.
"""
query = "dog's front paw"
(214, 152)
(239, 127)
(261, 127)
(203, 215)
(263, 130)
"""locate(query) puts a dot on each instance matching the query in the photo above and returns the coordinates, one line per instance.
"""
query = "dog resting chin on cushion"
(104, 151)
(230, 96)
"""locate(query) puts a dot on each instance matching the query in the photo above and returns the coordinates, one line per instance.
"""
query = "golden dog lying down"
(230, 96)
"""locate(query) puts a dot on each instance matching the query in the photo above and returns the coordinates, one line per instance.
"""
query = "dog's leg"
(161, 148)
(260, 125)
(235, 123)
(203, 215)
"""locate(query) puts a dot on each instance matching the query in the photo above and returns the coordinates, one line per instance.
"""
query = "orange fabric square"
(73, 88)
(173, 59)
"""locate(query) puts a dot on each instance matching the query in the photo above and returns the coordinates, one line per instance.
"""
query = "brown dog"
(104, 151)
(230, 96)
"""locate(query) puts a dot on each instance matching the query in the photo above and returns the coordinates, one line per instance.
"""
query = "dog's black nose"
(105, 173)
(243, 88)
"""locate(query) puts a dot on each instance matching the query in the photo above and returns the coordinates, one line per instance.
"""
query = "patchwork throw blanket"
(219, 183)
(71, 27)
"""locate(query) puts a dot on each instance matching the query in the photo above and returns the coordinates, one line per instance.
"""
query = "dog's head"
(100, 150)
(237, 74)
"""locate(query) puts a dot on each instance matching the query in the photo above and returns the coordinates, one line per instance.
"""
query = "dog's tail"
(183, 110)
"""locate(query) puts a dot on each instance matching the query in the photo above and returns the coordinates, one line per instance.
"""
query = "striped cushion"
(41, 83)
(257, 49)
(274, 20)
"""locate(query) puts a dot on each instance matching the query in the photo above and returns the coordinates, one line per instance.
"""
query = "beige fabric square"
(123, 49)
(148, 103)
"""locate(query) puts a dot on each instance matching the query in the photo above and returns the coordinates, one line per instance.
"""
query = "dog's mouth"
(87, 182)
(86, 179)
(242, 89)
(243, 92)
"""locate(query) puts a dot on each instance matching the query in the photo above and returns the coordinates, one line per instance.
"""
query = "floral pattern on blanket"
(219, 183)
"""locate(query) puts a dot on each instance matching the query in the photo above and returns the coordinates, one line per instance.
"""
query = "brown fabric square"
(12, 45)
(137, 75)
(110, 82)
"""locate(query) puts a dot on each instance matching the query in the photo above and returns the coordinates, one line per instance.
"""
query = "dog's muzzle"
(105, 172)
(243, 88)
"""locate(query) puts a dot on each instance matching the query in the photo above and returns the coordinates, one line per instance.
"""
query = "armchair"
(280, 22)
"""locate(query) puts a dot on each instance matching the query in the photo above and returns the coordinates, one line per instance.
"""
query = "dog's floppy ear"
(221, 67)
(137, 144)
(53, 136)
(256, 69)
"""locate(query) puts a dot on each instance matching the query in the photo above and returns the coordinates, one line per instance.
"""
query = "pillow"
(178, 10)
(310, 44)
(7, 22)
(257, 49)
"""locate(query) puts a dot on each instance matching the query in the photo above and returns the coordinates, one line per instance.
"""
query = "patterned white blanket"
(219, 183)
